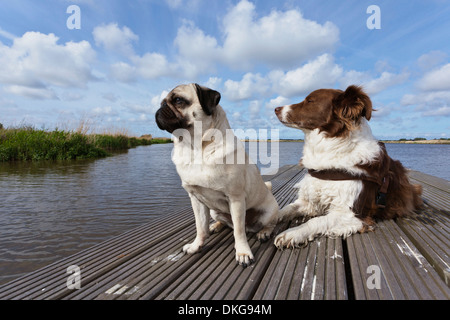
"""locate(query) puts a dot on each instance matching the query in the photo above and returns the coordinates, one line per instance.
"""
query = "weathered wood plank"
(147, 262)
(404, 273)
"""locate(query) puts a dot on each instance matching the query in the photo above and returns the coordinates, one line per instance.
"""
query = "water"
(50, 210)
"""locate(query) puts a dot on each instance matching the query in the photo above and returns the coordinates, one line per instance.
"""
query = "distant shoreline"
(434, 141)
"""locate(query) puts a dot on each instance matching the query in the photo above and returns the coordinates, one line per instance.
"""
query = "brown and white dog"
(351, 181)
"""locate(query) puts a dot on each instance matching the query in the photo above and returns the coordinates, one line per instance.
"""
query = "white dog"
(215, 170)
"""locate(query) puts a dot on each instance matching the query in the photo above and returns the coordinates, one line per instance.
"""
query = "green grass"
(30, 144)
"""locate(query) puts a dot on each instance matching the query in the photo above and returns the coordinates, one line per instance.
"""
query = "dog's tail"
(269, 185)
(403, 196)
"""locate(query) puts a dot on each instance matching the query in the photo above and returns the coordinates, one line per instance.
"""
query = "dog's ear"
(354, 103)
(209, 99)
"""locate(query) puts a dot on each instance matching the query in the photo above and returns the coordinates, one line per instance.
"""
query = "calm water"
(50, 210)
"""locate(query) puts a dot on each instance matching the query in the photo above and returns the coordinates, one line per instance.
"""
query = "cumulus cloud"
(35, 62)
(115, 39)
(250, 85)
(436, 80)
(149, 66)
(280, 39)
(431, 59)
(118, 40)
(198, 58)
(248, 40)
(433, 96)
(384, 81)
(321, 72)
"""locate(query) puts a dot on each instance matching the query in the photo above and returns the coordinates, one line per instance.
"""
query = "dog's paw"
(264, 234)
(291, 239)
(216, 227)
(244, 257)
(191, 248)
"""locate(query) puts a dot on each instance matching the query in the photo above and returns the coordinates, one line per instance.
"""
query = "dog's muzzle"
(167, 120)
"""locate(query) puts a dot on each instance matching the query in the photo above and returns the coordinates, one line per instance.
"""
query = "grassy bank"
(28, 143)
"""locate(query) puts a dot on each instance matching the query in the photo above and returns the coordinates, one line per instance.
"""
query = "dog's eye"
(178, 100)
(310, 100)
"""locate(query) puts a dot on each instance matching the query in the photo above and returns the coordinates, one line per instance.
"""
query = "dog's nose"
(278, 110)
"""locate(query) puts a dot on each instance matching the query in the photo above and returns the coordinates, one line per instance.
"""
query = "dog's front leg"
(244, 254)
(202, 217)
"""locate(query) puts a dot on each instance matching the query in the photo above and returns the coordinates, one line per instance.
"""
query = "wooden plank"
(219, 277)
(124, 275)
(46, 282)
(404, 271)
(429, 232)
(314, 272)
(436, 191)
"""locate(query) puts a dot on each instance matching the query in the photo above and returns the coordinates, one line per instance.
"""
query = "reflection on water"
(49, 210)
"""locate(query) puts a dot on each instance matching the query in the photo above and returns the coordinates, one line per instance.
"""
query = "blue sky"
(112, 73)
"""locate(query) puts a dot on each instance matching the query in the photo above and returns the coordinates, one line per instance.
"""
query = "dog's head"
(335, 112)
(186, 104)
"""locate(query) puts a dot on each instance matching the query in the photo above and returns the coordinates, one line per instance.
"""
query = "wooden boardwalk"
(405, 259)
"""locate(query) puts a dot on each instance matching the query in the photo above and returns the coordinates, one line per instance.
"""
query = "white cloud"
(442, 111)
(174, 4)
(197, 51)
(250, 86)
(124, 72)
(431, 59)
(319, 73)
(248, 40)
(35, 62)
(6, 34)
(112, 38)
(153, 66)
(432, 96)
(436, 80)
(429, 103)
(107, 110)
(280, 39)
(386, 80)
(370, 84)
(322, 72)
(278, 102)
(426, 98)
(213, 82)
(254, 107)
(155, 101)
(33, 93)
(184, 4)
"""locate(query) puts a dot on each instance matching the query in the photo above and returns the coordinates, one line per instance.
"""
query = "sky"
(108, 65)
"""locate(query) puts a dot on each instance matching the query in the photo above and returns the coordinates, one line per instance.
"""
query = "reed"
(27, 143)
